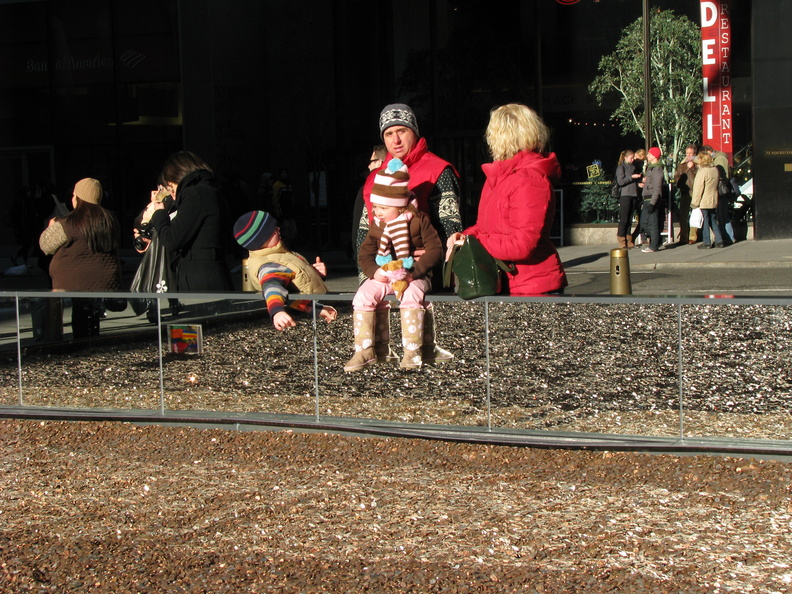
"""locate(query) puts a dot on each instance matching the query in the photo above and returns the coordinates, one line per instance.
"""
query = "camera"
(162, 194)
(145, 232)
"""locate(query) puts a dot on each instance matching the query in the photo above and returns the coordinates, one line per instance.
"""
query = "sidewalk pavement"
(767, 254)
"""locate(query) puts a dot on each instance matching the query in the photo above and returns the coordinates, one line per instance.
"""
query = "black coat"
(196, 235)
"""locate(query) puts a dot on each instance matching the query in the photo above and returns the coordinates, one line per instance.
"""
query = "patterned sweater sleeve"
(275, 281)
(53, 238)
(362, 232)
(444, 204)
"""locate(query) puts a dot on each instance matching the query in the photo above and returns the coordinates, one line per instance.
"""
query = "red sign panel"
(716, 71)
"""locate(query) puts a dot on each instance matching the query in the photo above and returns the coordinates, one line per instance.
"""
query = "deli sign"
(716, 70)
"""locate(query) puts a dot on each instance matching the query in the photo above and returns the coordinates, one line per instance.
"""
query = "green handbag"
(476, 273)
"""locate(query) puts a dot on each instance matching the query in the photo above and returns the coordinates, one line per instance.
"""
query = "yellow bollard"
(620, 272)
(248, 286)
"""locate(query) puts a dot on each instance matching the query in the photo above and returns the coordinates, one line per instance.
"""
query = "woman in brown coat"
(85, 248)
(705, 197)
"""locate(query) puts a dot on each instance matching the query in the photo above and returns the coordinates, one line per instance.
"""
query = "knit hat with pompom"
(390, 185)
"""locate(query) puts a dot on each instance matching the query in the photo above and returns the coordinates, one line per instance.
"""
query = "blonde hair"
(513, 128)
(623, 155)
(640, 154)
(704, 158)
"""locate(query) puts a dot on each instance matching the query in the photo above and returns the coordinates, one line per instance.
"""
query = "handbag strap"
(509, 267)
(447, 266)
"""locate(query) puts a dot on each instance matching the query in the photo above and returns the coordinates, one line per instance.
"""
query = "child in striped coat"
(280, 271)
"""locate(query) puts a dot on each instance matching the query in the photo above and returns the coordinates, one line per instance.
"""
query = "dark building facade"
(108, 88)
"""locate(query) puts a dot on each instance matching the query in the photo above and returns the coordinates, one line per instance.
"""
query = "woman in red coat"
(517, 204)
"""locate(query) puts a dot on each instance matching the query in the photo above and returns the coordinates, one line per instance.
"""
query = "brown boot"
(363, 330)
(431, 353)
(630, 243)
(412, 323)
(622, 241)
(382, 337)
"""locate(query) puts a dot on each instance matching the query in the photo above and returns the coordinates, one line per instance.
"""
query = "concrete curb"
(698, 265)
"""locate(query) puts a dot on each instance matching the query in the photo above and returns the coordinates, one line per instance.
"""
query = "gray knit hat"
(398, 114)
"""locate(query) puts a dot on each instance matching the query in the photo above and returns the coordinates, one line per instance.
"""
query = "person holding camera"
(155, 274)
(196, 236)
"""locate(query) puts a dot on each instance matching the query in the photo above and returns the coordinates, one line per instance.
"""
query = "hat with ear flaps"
(88, 190)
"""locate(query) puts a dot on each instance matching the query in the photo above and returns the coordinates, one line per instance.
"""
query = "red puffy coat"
(515, 215)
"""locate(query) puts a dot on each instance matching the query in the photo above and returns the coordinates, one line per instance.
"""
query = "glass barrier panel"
(451, 392)
(737, 381)
(8, 323)
(574, 365)
(9, 353)
(115, 367)
(244, 364)
(584, 367)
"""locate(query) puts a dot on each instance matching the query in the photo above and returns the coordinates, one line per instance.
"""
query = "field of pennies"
(117, 507)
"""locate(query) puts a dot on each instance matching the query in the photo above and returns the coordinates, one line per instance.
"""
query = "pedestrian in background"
(639, 163)
(684, 176)
(705, 197)
(652, 194)
(627, 180)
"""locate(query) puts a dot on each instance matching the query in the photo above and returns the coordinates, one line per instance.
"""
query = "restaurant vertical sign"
(716, 71)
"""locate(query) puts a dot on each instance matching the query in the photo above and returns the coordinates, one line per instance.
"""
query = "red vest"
(424, 168)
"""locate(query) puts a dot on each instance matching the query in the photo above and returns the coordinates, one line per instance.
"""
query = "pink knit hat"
(655, 152)
(390, 185)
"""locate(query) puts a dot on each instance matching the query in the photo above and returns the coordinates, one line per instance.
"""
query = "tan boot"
(363, 330)
(412, 324)
(430, 351)
(622, 241)
(630, 243)
(382, 347)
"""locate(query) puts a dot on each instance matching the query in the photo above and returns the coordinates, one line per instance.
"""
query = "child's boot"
(412, 324)
(363, 330)
(431, 353)
(382, 337)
